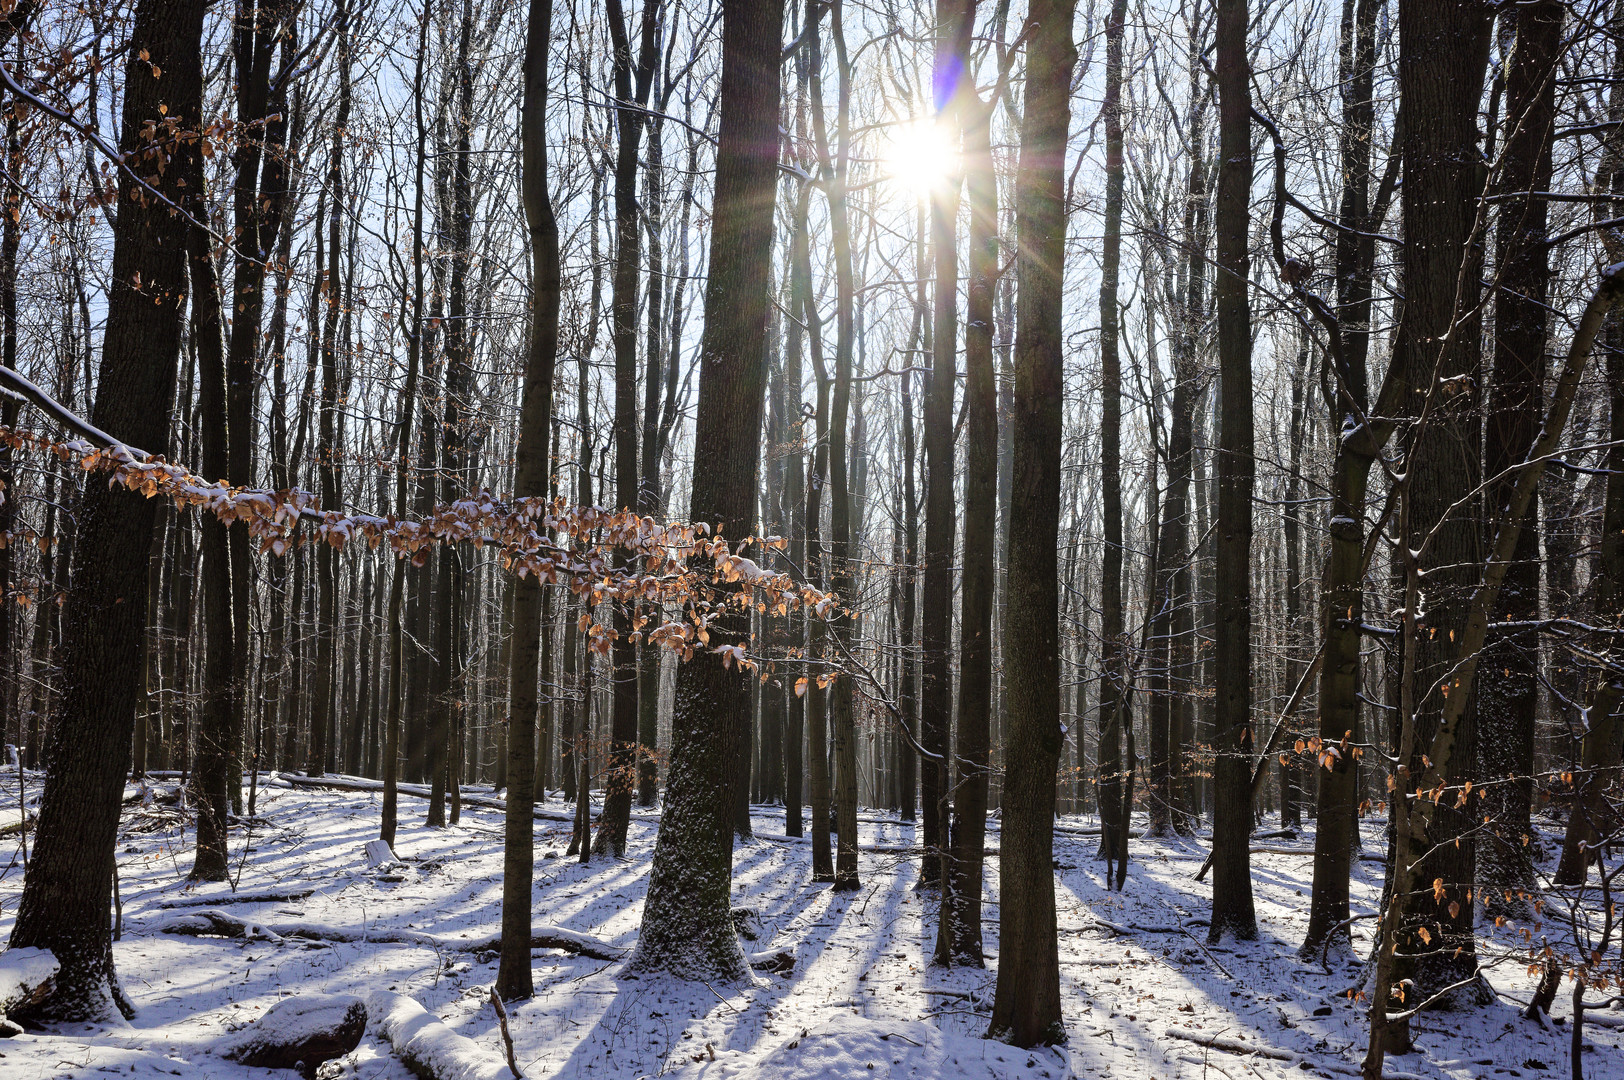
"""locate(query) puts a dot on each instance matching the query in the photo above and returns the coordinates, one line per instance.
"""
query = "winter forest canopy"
(780, 538)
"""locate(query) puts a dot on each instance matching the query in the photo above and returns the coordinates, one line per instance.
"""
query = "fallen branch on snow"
(210, 922)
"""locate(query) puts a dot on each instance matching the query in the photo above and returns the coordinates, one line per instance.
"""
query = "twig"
(507, 1036)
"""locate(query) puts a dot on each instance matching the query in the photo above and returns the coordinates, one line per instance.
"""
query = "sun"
(919, 156)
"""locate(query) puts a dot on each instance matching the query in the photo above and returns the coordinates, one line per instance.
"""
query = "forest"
(791, 539)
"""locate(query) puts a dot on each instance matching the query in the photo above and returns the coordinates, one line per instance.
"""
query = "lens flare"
(920, 157)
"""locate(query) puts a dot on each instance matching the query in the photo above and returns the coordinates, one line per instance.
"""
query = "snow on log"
(211, 922)
(260, 896)
(418, 791)
(27, 977)
(300, 1033)
(427, 1047)
(773, 960)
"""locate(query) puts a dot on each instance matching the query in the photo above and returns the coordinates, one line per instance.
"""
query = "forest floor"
(860, 1001)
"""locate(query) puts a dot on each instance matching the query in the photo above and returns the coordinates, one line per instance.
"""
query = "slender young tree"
(1026, 1003)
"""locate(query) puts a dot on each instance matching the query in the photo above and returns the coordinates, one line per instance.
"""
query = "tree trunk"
(1114, 701)
(953, 32)
(1232, 911)
(1508, 695)
(687, 929)
(531, 469)
(959, 938)
(66, 902)
(624, 752)
(215, 731)
(1026, 1006)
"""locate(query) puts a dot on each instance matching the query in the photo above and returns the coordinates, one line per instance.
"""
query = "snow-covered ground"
(860, 1001)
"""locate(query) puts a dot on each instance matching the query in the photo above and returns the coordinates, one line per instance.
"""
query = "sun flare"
(919, 156)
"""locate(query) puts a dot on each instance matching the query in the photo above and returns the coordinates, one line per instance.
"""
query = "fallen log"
(416, 791)
(260, 896)
(773, 960)
(211, 922)
(300, 1033)
(426, 1046)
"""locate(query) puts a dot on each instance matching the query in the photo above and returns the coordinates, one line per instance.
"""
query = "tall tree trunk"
(1508, 695)
(531, 470)
(216, 729)
(327, 448)
(632, 90)
(1026, 1005)
(66, 902)
(953, 29)
(403, 449)
(959, 939)
(1342, 588)
(1232, 911)
(687, 930)
(841, 579)
(1444, 47)
(1114, 701)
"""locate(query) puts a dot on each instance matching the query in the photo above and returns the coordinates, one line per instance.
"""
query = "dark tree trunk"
(1444, 47)
(687, 930)
(1342, 586)
(66, 902)
(531, 470)
(1232, 911)
(1026, 1006)
(1114, 701)
(632, 87)
(959, 938)
(1508, 693)
(953, 32)
(215, 730)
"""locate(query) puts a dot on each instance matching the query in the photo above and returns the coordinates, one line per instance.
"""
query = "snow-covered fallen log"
(427, 1047)
(773, 960)
(1231, 1045)
(211, 922)
(27, 977)
(257, 896)
(416, 791)
(300, 1033)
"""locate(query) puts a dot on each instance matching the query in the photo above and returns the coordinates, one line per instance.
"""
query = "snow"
(851, 1047)
(294, 1022)
(1137, 978)
(21, 972)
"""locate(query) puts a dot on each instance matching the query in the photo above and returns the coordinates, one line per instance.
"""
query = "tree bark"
(953, 30)
(1026, 1005)
(1232, 910)
(1508, 695)
(625, 752)
(687, 929)
(513, 979)
(68, 891)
